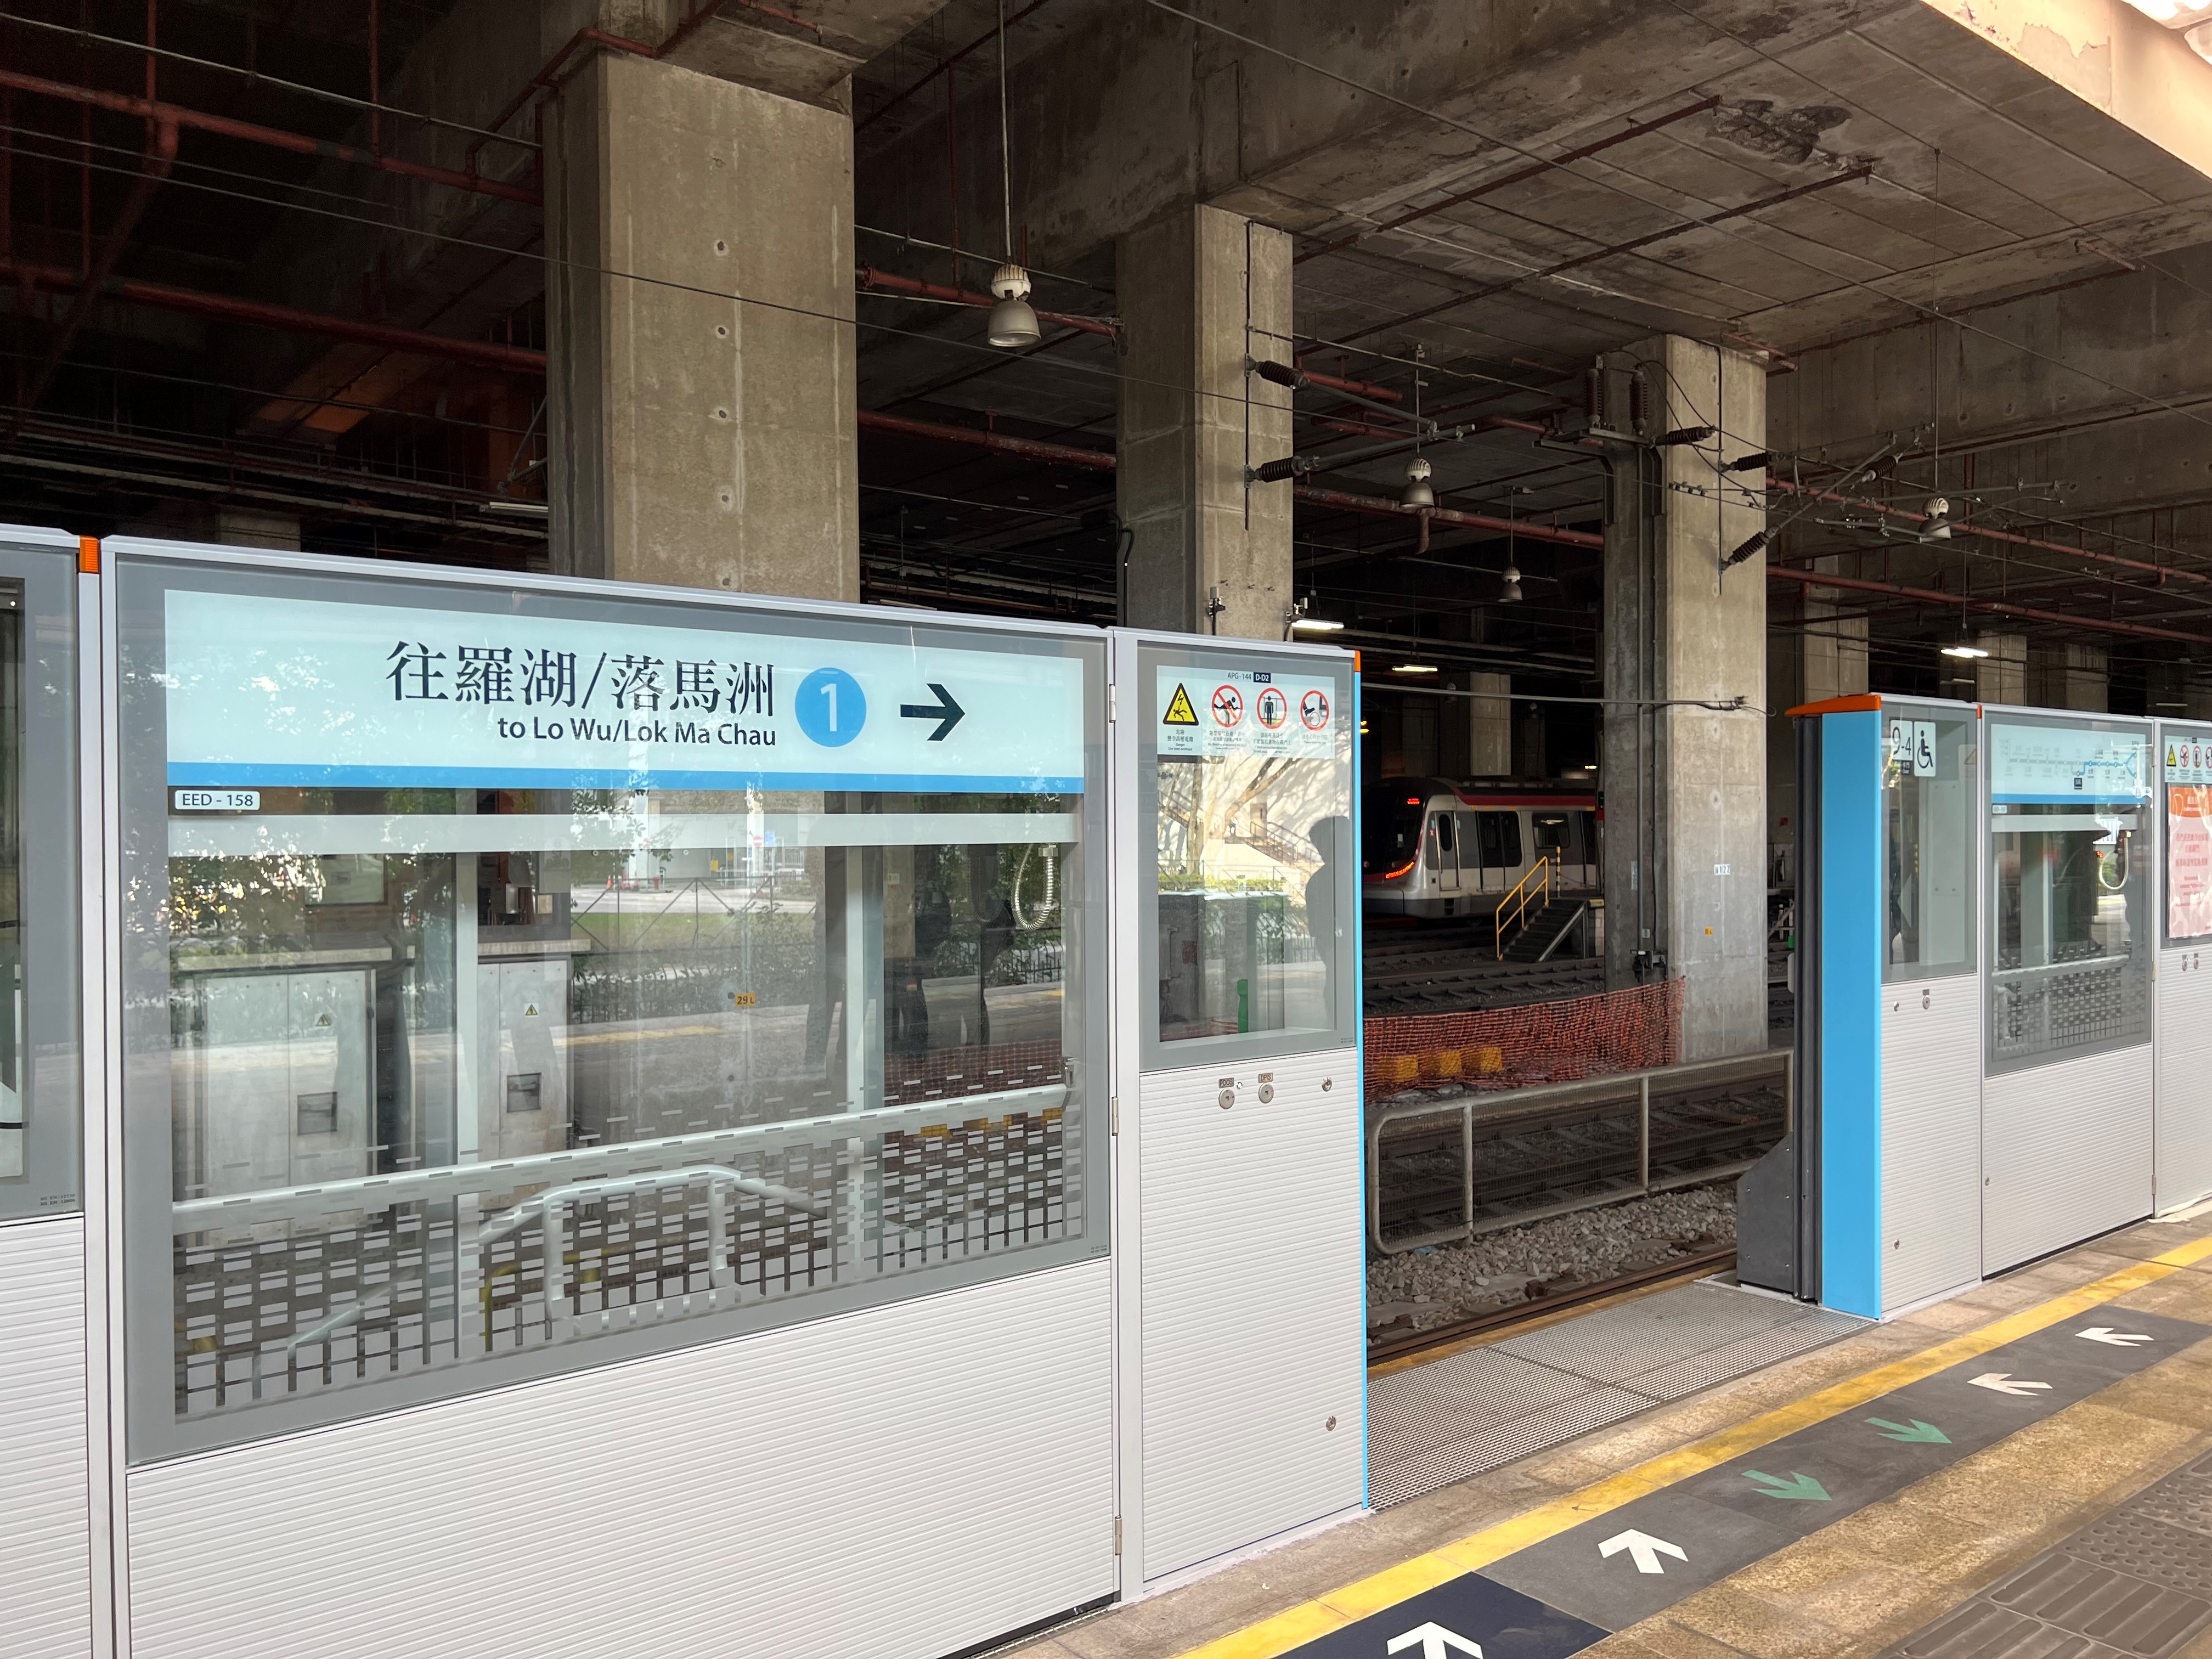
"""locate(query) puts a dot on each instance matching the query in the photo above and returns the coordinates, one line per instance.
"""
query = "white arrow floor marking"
(2002, 1382)
(1434, 1639)
(2106, 1334)
(1643, 1549)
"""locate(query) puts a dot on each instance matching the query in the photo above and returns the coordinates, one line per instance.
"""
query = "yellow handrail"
(1518, 897)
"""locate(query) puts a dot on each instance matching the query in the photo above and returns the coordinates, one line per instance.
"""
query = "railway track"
(1403, 1344)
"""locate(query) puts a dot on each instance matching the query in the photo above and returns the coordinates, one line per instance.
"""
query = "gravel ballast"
(1423, 1289)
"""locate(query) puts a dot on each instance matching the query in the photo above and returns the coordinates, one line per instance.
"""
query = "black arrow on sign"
(946, 712)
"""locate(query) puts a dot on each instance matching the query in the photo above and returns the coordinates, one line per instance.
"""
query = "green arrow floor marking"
(1919, 1431)
(1797, 1486)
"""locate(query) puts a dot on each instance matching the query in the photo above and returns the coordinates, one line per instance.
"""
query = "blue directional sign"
(265, 692)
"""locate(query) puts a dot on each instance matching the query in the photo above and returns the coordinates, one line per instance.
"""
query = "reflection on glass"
(2070, 887)
(460, 1073)
(1249, 862)
(1927, 848)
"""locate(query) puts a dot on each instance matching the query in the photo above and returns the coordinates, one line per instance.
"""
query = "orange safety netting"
(1513, 1047)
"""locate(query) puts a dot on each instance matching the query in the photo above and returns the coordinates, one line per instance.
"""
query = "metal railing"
(1517, 896)
(1515, 1108)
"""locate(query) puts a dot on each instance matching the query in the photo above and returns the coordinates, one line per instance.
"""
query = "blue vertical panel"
(1851, 1013)
(1359, 1065)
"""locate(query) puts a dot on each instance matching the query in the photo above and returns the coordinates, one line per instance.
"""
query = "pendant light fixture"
(1013, 323)
(1510, 593)
(1417, 492)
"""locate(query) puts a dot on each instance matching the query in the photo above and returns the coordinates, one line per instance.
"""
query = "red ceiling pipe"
(484, 353)
(161, 156)
(1337, 382)
(869, 277)
(2163, 571)
(1930, 596)
(1523, 529)
(298, 143)
(1102, 459)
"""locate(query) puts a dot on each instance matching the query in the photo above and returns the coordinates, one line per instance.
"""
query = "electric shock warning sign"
(1245, 711)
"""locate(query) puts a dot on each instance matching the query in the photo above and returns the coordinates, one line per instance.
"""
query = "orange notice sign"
(2188, 860)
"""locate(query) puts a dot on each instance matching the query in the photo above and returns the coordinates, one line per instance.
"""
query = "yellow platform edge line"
(1295, 1626)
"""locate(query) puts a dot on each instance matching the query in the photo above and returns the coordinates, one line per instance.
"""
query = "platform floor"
(1432, 1420)
(2021, 1472)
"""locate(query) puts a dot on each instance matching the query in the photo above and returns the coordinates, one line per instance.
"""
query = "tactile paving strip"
(2135, 1583)
(1431, 1424)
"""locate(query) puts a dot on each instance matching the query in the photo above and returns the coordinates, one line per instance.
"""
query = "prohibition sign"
(1313, 710)
(1273, 708)
(1228, 706)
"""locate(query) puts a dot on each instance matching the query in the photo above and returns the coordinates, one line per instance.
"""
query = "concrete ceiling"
(1771, 174)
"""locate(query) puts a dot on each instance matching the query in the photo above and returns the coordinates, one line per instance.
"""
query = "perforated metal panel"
(2184, 1077)
(45, 1610)
(2066, 1154)
(908, 1481)
(1254, 1353)
(1931, 1138)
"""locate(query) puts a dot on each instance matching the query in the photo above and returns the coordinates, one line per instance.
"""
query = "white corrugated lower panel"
(1931, 1138)
(2066, 1154)
(1251, 1263)
(2185, 1078)
(45, 1609)
(895, 1484)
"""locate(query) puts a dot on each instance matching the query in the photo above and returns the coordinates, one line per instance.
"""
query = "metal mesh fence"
(1625, 1030)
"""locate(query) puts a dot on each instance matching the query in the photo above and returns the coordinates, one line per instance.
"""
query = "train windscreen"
(1390, 826)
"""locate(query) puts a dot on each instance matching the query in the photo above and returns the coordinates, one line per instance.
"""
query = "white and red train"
(1431, 848)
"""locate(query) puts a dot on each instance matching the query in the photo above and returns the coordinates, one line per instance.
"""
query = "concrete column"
(1490, 726)
(1685, 786)
(2084, 680)
(696, 439)
(1199, 292)
(2001, 677)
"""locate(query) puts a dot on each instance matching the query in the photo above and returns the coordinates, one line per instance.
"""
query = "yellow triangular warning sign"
(531, 1013)
(2170, 759)
(324, 1020)
(1180, 713)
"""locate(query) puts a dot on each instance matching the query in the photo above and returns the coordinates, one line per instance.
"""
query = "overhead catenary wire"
(142, 49)
(1688, 220)
(992, 357)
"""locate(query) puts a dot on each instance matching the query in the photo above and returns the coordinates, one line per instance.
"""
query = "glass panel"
(1553, 833)
(2068, 892)
(41, 1085)
(2188, 771)
(493, 1079)
(1505, 829)
(1928, 848)
(1443, 821)
(1251, 828)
